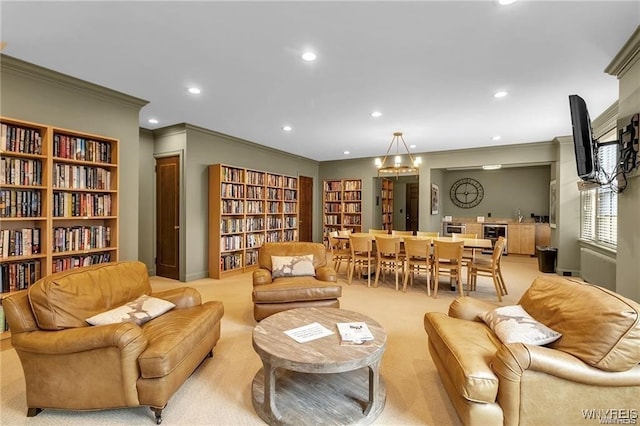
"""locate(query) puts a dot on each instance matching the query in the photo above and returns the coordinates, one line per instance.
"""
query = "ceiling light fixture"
(153, 121)
(500, 94)
(287, 128)
(376, 114)
(309, 56)
(496, 138)
(491, 166)
(347, 152)
(398, 167)
(506, 2)
(194, 90)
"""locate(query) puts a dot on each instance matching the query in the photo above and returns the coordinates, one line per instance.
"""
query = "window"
(599, 218)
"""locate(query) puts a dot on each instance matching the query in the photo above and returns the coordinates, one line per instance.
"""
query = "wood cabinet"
(246, 209)
(386, 198)
(474, 228)
(521, 238)
(342, 205)
(58, 201)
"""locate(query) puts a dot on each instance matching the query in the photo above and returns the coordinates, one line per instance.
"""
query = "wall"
(32, 93)
(505, 191)
(201, 147)
(146, 201)
(626, 66)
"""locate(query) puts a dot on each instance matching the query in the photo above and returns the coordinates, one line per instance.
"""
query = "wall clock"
(466, 193)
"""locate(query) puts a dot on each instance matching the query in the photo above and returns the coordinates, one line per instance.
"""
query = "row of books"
(20, 203)
(20, 139)
(231, 190)
(81, 177)
(74, 204)
(77, 148)
(230, 261)
(19, 242)
(231, 174)
(65, 263)
(81, 238)
(20, 171)
(18, 275)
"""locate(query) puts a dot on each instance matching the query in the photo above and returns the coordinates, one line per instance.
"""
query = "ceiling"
(430, 67)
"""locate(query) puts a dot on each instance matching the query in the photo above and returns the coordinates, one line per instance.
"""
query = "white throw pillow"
(513, 324)
(141, 310)
(292, 266)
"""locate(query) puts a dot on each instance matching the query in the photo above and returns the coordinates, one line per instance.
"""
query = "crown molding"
(9, 64)
(627, 57)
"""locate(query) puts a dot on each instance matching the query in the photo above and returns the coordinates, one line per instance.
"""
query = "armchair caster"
(32, 412)
(158, 413)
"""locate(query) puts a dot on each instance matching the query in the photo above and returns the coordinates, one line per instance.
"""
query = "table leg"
(374, 383)
(270, 391)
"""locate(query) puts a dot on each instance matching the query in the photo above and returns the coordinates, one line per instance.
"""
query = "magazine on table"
(354, 333)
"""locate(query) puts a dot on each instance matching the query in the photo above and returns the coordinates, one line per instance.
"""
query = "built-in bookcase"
(246, 209)
(387, 204)
(58, 201)
(342, 205)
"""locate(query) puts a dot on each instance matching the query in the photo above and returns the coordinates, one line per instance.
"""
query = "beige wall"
(626, 66)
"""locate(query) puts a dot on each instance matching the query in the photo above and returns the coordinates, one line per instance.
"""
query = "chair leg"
(436, 282)
(503, 286)
(496, 284)
(158, 413)
(375, 282)
(459, 280)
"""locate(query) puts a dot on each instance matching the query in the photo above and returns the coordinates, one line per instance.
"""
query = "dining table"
(472, 243)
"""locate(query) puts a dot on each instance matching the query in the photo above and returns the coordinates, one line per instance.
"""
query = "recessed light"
(347, 152)
(309, 56)
(412, 146)
(500, 94)
(376, 114)
(153, 121)
(506, 2)
(491, 166)
(287, 128)
(194, 90)
(496, 137)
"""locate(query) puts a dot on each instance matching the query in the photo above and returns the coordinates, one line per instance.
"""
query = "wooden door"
(305, 203)
(412, 206)
(168, 217)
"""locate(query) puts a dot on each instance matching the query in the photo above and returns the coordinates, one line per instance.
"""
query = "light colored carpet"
(219, 392)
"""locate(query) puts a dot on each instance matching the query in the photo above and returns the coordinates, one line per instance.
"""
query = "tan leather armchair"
(591, 371)
(71, 365)
(272, 295)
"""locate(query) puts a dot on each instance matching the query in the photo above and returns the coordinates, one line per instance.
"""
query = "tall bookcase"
(342, 205)
(246, 209)
(58, 202)
(387, 204)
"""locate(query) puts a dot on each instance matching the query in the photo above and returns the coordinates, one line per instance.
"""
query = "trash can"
(546, 258)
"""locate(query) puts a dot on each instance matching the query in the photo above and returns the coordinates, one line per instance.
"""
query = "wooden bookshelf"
(58, 201)
(387, 204)
(342, 205)
(246, 209)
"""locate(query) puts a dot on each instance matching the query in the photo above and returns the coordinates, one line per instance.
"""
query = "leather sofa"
(272, 295)
(71, 365)
(589, 374)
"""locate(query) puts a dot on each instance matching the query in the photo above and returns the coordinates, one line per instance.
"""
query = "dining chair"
(389, 257)
(429, 234)
(488, 268)
(447, 260)
(378, 231)
(418, 259)
(402, 233)
(339, 251)
(362, 256)
(469, 254)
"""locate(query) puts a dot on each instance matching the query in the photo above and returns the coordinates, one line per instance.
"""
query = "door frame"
(182, 211)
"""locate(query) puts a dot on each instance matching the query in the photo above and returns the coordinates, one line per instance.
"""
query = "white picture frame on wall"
(435, 198)
(553, 197)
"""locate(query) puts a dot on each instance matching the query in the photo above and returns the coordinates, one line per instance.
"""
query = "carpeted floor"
(219, 392)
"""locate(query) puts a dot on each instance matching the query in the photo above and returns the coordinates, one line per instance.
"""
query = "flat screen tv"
(583, 143)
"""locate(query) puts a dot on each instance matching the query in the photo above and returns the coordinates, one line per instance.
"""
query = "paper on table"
(308, 332)
(354, 331)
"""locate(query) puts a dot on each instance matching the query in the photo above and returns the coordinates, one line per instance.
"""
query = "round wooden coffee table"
(320, 381)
